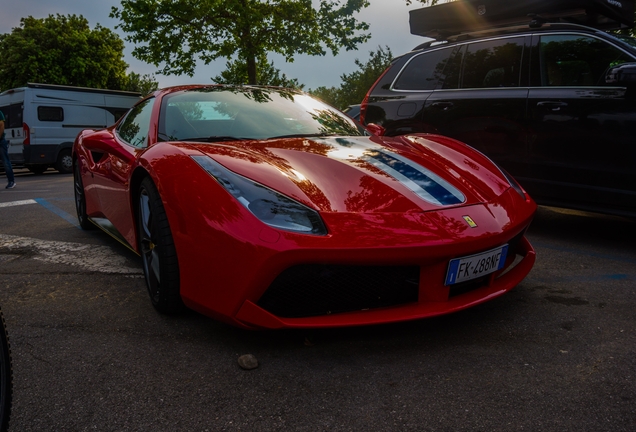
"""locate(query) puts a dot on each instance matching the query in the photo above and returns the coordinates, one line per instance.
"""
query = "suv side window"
(425, 71)
(493, 63)
(135, 126)
(576, 60)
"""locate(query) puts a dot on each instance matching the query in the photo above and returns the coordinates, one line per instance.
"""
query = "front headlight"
(269, 206)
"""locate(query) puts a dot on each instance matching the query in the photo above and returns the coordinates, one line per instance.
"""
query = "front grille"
(312, 289)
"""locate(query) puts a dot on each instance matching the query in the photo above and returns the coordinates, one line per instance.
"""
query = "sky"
(388, 20)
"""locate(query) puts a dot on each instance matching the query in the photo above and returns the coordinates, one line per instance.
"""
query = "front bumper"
(433, 298)
(228, 272)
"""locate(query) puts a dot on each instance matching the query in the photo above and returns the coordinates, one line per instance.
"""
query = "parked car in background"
(42, 121)
(353, 111)
(266, 208)
(551, 101)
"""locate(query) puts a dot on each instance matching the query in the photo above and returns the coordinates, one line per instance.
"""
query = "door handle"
(552, 105)
(442, 105)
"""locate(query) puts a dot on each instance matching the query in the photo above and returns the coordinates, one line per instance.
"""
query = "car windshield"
(220, 113)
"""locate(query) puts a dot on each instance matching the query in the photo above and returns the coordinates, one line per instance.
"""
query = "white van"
(42, 121)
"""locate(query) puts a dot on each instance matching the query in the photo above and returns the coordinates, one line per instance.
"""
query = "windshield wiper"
(306, 135)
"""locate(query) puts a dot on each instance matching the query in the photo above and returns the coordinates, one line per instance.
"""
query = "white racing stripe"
(88, 257)
(18, 203)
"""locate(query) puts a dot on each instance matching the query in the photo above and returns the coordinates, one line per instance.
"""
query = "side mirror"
(376, 129)
(104, 142)
(622, 75)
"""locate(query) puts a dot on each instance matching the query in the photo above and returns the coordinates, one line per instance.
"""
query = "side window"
(134, 128)
(48, 113)
(575, 60)
(425, 71)
(15, 115)
(493, 63)
(12, 116)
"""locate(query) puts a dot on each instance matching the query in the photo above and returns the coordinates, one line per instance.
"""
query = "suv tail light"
(26, 134)
(365, 101)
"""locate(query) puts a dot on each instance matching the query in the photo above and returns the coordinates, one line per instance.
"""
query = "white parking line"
(18, 203)
(88, 257)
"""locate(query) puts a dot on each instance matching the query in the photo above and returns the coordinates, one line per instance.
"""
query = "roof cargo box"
(469, 15)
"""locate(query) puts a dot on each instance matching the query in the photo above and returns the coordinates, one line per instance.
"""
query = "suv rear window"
(425, 71)
(493, 63)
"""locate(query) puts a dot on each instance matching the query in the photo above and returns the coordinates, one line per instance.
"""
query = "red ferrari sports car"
(266, 208)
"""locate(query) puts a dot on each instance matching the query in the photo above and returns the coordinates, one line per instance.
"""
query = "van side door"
(14, 133)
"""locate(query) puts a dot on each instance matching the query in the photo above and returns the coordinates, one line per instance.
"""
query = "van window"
(48, 113)
(576, 60)
(134, 128)
(493, 63)
(12, 115)
(424, 72)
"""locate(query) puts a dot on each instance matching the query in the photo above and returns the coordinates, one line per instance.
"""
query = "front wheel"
(80, 199)
(158, 253)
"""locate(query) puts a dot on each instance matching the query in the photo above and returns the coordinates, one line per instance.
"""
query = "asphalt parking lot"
(90, 352)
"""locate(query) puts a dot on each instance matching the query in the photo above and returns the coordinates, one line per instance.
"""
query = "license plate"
(474, 266)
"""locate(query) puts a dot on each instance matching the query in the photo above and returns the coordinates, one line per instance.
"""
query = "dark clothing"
(4, 154)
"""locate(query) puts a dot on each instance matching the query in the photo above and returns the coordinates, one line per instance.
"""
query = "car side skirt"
(106, 226)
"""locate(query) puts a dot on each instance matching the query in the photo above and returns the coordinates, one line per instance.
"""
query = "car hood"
(363, 174)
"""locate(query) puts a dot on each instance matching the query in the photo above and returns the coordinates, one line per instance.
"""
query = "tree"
(177, 33)
(142, 84)
(329, 95)
(429, 2)
(62, 50)
(266, 74)
(355, 85)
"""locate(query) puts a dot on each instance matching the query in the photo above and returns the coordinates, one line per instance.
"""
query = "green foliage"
(329, 95)
(62, 50)
(428, 2)
(143, 84)
(355, 85)
(178, 33)
(266, 74)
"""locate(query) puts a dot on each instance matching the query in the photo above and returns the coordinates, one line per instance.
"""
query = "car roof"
(520, 29)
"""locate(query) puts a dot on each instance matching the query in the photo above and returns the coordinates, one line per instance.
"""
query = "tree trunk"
(251, 69)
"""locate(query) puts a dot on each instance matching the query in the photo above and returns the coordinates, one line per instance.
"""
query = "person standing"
(4, 152)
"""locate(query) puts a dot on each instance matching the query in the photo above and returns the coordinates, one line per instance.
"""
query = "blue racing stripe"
(433, 188)
(423, 182)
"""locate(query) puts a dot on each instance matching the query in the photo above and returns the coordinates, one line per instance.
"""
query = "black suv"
(553, 103)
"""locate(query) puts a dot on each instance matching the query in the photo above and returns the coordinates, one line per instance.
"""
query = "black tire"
(64, 162)
(158, 253)
(37, 169)
(6, 378)
(80, 200)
